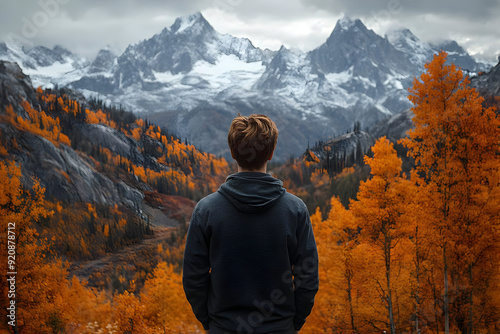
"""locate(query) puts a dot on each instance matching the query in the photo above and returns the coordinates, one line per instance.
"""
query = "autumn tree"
(333, 309)
(383, 216)
(19, 208)
(166, 307)
(455, 144)
(46, 300)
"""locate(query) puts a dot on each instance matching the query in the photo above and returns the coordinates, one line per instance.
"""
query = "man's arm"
(196, 268)
(305, 271)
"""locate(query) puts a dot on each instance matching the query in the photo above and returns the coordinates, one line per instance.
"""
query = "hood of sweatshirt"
(252, 192)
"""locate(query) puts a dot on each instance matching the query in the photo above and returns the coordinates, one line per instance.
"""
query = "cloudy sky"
(85, 26)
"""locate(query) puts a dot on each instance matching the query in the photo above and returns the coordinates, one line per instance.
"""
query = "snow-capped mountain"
(405, 41)
(45, 66)
(182, 66)
(104, 62)
(458, 56)
(195, 80)
(420, 52)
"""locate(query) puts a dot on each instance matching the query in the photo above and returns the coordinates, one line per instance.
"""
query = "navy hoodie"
(250, 263)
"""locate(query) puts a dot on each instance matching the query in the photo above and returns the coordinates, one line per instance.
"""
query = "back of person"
(250, 264)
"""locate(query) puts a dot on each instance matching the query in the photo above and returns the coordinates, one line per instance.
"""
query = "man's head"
(252, 140)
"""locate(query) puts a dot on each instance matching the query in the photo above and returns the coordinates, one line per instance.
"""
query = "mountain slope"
(82, 151)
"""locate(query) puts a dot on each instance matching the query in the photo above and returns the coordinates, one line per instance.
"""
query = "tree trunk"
(436, 317)
(446, 294)
(349, 296)
(471, 302)
(417, 295)
(389, 291)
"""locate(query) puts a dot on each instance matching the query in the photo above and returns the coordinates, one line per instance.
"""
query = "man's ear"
(232, 154)
(271, 156)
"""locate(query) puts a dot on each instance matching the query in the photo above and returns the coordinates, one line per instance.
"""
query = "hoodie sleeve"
(196, 267)
(305, 270)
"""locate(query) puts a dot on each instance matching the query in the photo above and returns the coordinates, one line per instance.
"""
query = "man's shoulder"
(293, 201)
(209, 200)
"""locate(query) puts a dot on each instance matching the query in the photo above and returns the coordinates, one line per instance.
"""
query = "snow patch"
(341, 77)
(228, 71)
(57, 73)
(187, 22)
(393, 82)
(346, 23)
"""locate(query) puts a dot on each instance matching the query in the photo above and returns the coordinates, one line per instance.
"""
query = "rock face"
(355, 144)
(69, 177)
(66, 174)
(352, 44)
(15, 87)
(105, 61)
(395, 127)
(488, 83)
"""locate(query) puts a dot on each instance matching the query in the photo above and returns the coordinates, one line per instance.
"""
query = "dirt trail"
(162, 227)
(162, 212)
(84, 269)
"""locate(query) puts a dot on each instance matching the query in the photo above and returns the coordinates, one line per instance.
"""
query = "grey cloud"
(84, 26)
(478, 9)
(474, 24)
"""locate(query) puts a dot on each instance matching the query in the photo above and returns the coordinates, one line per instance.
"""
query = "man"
(250, 263)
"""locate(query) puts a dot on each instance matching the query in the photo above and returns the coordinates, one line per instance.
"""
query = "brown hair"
(252, 140)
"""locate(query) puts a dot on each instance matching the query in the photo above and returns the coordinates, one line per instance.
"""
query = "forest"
(401, 251)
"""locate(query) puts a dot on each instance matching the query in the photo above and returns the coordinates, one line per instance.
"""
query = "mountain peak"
(449, 46)
(397, 34)
(194, 23)
(405, 41)
(346, 23)
(3, 47)
(346, 28)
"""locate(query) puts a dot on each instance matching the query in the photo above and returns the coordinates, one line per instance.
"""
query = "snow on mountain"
(104, 63)
(458, 56)
(187, 22)
(176, 49)
(346, 23)
(351, 43)
(405, 41)
(420, 52)
(196, 79)
(45, 66)
(227, 71)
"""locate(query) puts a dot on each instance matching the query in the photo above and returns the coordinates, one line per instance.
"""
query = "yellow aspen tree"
(334, 303)
(166, 307)
(455, 143)
(381, 212)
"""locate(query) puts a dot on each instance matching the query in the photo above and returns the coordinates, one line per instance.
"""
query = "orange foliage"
(48, 300)
(456, 145)
(3, 150)
(419, 255)
(167, 309)
(319, 178)
(38, 123)
(136, 133)
(99, 117)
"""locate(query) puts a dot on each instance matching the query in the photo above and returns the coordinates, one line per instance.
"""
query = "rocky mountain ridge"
(195, 80)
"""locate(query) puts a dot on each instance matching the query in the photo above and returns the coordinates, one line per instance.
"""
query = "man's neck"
(259, 170)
